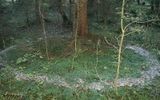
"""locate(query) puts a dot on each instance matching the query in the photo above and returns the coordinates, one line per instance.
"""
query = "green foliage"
(27, 57)
(148, 37)
(57, 46)
(12, 89)
(83, 66)
(7, 79)
(21, 60)
(17, 20)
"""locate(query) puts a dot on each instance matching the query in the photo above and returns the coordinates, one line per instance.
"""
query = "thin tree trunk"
(120, 45)
(138, 2)
(43, 28)
(27, 16)
(61, 8)
(97, 9)
(38, 16)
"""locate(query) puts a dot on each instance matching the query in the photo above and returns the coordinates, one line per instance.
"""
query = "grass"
(31, 60)
(12, 89)
(84, 66)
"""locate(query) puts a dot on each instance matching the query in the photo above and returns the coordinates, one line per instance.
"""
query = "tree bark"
(38, 16)
(81, 18)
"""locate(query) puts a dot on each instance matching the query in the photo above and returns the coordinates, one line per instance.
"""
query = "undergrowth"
(31, 60)
(11, 89)
(83, 66)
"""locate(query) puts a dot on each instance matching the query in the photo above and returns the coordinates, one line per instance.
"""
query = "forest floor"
(146, 76)
(92, 68)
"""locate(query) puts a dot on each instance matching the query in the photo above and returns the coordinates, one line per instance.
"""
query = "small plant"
(21, 60)
(27, 57)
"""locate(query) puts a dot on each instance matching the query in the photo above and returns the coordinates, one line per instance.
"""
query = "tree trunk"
(66, 20)
(38, 16)
(81, 18)
(62, 10)
(138, 2)
(155, 7)
(97, 9)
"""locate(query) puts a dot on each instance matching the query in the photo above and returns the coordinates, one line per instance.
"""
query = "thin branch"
(43, 29)
(76, 25)
(97, 59)
(105, 39)
(120, 46)
(130, 33)
(140, 22)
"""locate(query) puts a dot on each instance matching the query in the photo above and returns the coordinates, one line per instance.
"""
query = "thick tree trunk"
(155, 7)
(81, 18)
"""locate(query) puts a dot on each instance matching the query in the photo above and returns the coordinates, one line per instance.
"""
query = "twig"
(43, 29)
(140, 22)
(97, 59)
(130, 33)
(105, 38)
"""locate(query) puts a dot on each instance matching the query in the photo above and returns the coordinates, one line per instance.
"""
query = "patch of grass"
(12, 89)
(85, 65)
